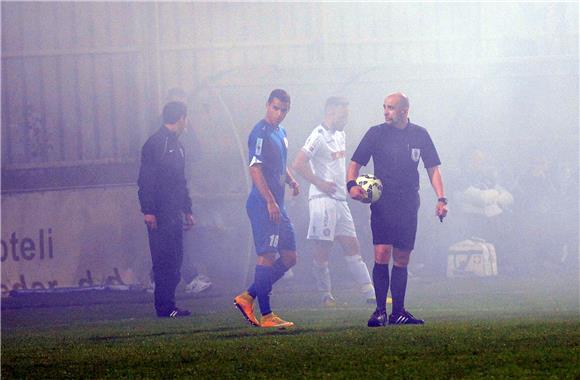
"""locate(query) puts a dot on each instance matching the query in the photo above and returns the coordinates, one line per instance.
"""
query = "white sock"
(360, 273)
(322, 276)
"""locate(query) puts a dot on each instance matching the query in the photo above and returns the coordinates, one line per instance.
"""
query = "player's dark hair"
(280, 94)
(176, 94)
(173, 111)
(335, 101)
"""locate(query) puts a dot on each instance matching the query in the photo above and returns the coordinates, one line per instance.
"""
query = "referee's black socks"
(398, 288)
(381, 283)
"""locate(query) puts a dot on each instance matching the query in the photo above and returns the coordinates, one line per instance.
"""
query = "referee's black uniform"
(396, 153)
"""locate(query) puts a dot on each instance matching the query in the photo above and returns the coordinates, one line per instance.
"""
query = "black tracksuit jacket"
(162, 185)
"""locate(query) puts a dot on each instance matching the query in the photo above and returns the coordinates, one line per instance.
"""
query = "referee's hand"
(441, 210)
(357, 193)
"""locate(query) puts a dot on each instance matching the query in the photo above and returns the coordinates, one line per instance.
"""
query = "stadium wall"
(72, 238)
(81, 94)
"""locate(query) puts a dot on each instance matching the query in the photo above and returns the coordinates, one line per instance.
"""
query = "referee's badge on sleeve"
(415, 154)
(259, 141)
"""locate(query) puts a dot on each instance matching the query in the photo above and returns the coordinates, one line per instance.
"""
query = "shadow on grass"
(256, 332)
(247, 332)
(109, 338)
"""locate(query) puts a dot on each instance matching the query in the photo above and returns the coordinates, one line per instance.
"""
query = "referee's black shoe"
(378, 318)
(174, 313)
(403, 317)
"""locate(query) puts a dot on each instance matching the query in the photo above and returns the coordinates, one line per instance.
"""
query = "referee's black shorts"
(394, 220)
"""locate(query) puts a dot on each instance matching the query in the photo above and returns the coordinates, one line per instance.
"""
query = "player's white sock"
(322, 276)
(360, 273)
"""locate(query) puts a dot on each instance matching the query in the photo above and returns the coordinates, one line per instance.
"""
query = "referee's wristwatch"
(442, 200)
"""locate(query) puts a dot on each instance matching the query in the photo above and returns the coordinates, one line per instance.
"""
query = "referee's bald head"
(403, 100)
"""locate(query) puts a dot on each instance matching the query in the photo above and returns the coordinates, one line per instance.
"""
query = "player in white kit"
(321, 161)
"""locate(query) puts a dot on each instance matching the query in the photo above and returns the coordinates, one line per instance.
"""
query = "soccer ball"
(372, 186)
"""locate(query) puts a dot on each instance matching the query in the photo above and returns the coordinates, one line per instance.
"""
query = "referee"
(395, 147)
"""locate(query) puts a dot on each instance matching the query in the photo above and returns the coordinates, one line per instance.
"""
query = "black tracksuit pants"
(166, 245)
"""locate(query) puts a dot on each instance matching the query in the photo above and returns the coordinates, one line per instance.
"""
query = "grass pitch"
(476, 328)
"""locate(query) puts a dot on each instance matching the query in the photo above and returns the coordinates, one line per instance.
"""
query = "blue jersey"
(268, 146)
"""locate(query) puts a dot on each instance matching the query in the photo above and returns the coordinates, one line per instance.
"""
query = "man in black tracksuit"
(165, 200)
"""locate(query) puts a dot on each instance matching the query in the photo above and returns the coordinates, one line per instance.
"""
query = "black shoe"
(378, 319)
(404, 318)
(175, 313)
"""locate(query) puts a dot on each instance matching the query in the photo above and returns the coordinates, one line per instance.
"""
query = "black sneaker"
(175, 313)
(378, 319)
(404, 318)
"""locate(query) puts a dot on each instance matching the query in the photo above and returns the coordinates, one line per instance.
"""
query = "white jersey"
(327, 153)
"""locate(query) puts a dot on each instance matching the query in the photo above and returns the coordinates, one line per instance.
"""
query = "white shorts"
(329, 218)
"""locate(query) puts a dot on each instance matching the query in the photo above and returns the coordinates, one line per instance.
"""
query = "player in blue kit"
(271, 227)
(396, 147)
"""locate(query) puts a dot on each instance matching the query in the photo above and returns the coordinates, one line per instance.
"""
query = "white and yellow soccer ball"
(372, 186)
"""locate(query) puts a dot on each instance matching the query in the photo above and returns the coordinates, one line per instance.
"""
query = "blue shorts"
(268, 236)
